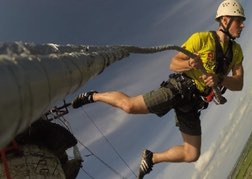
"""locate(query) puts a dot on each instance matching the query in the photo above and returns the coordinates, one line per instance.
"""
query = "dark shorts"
(186, 104)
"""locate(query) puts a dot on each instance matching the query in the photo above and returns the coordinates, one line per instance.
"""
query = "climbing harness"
(223, 60)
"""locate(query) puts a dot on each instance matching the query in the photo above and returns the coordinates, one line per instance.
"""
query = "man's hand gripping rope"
(219, 99)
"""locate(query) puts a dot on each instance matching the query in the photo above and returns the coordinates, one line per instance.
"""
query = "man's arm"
(181, 62)
(234, 82)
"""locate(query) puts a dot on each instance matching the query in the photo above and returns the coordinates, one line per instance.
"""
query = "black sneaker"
(83, 98)
(146, 164)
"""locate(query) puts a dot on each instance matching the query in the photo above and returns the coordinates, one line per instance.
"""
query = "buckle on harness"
(211, 96)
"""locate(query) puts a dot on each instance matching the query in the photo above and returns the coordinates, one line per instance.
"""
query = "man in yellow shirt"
(187, 91)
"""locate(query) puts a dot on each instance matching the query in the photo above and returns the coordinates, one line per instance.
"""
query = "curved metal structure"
(33, 77)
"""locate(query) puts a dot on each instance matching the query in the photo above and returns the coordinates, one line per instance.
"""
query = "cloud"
(171, 12)
(227, 146)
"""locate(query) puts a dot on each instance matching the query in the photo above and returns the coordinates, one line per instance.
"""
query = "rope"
(133, 49)
(13, 147)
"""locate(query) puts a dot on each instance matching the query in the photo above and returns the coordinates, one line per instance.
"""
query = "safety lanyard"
(222, 63)
(222, 60)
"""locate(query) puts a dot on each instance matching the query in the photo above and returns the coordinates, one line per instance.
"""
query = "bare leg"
(133, 105)
(188, 152)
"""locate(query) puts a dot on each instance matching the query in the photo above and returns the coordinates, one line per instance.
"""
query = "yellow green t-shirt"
(203, 44)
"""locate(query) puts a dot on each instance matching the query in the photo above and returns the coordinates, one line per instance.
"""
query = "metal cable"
(102, 161)
(111, 145)
(67, 125)
(88, 174)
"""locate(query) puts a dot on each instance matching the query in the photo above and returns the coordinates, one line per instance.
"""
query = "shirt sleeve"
(193, 43)
(238, 54)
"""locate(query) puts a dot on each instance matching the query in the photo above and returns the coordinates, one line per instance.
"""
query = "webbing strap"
(222, 60)
(3, 157)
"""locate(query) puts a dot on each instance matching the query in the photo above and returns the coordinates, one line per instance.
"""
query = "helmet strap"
(225, 30)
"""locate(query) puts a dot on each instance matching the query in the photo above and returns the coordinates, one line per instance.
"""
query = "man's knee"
(192, 156)
(127, 106)
(134, 105)
(192, 147)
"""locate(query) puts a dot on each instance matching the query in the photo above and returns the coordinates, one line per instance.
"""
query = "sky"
(104, 129)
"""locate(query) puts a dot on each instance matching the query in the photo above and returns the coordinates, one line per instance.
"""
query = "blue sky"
(143, 23)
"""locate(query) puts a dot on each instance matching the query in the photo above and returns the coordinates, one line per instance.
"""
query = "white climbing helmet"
(230, 8)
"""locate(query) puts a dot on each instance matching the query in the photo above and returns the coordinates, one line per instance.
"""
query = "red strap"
(5, 164)
(210, 97)
(13, 146)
